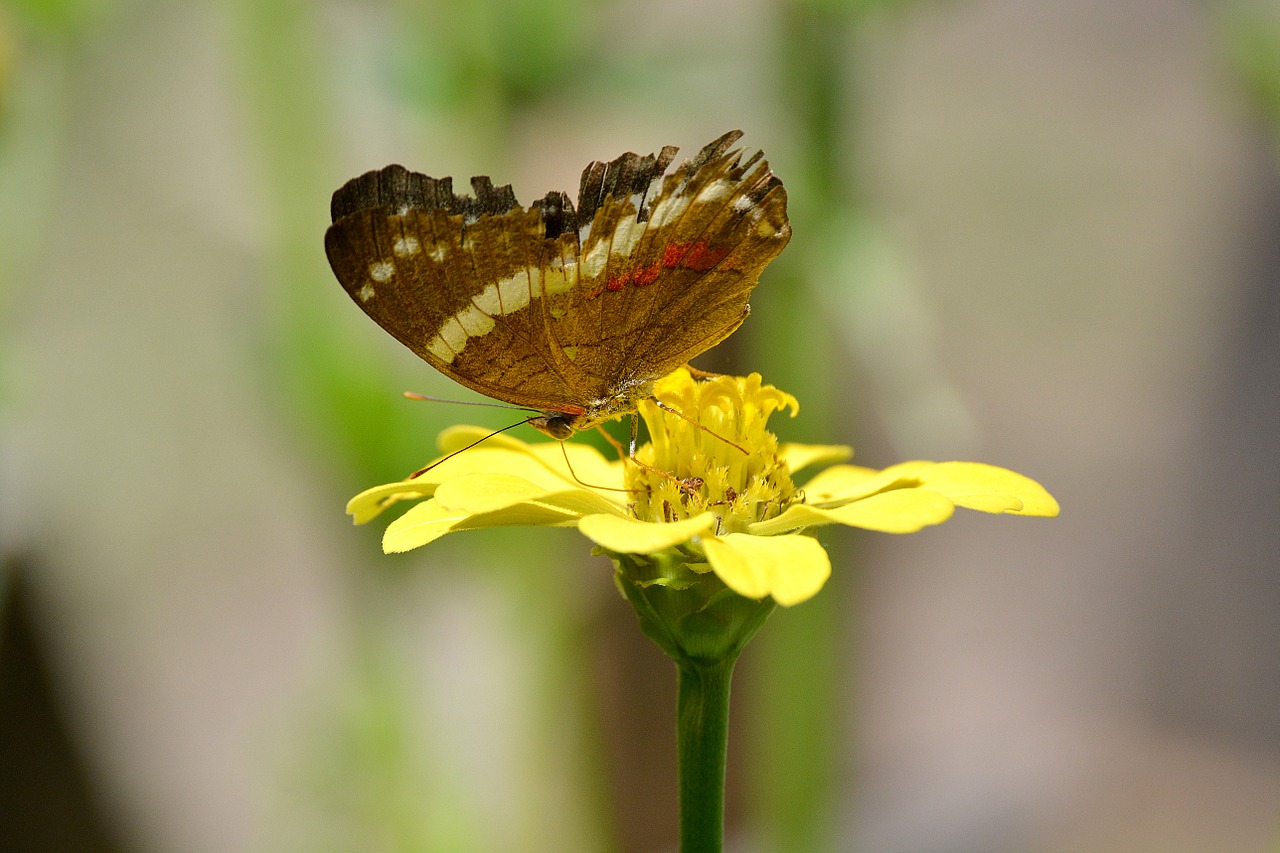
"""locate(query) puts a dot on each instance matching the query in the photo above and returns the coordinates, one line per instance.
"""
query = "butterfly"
(573, 312)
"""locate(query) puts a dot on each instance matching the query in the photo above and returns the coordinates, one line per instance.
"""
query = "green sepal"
(691, 615)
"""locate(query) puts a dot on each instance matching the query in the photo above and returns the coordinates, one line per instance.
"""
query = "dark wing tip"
(400, 189)
(714, 149)
(396, 187)
(557, 212)
(631, 174)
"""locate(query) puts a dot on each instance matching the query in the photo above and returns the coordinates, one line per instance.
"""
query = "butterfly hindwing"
(667, 271)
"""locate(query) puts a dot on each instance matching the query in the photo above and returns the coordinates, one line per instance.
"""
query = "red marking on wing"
(698, 257)
(674, 253)
(647, 275)
(702, 257)
(572, 410)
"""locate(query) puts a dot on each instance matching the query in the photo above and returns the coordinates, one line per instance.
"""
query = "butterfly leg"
(614, 443)
(688, 485)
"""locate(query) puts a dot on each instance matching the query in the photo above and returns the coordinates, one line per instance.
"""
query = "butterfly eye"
(556, 426)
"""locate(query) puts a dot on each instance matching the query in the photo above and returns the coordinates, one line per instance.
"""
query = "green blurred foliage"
(59, 19)
(467, 65)
(1251, 32)
(471, 64)
(509, 53)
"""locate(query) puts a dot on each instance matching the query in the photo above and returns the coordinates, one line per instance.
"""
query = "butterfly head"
(563, 424)
(557, 425)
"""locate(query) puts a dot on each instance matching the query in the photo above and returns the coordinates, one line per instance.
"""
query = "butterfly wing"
(667, 262)
(459, 279)
(553, 308)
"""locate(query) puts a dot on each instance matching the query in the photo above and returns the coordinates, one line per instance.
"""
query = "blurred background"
(1039, 234)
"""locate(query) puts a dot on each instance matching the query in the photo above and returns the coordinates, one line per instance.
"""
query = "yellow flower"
(719, 495)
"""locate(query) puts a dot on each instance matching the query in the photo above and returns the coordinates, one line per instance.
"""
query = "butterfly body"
(571, 311)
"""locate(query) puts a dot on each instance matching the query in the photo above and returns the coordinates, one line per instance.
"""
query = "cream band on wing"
(516, 292)
(627, 233)
(505, 297)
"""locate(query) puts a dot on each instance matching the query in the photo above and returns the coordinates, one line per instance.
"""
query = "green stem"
(702, 737)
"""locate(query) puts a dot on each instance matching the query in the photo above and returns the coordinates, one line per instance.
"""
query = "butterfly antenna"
(449, 456)
(414, 395)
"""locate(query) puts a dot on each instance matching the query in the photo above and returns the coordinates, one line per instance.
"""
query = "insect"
(572, 312)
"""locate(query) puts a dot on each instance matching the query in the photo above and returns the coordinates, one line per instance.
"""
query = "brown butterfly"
(571, 312)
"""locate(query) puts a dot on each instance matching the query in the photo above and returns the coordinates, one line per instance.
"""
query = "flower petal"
(588, 464)
(461, 436)
(424, 523)
(800, 456)
(477, 493)
(428, 521)
(495, 460)
(488, 460)
(642, 537)
(481, 493)
(988, 488)
(841, 484)
(894, 511)
(518, 463)
(370, 503)
(790, 568)
(582, 502)
(588, 468)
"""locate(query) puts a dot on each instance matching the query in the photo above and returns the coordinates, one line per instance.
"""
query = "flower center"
(694, 466)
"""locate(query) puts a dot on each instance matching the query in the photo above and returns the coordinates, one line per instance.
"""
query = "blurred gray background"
(1042, 235)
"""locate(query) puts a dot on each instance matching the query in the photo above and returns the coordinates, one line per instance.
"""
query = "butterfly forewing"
(553, 308)
(457, 293)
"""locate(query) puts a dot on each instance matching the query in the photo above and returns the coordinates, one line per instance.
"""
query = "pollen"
(693, 468)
